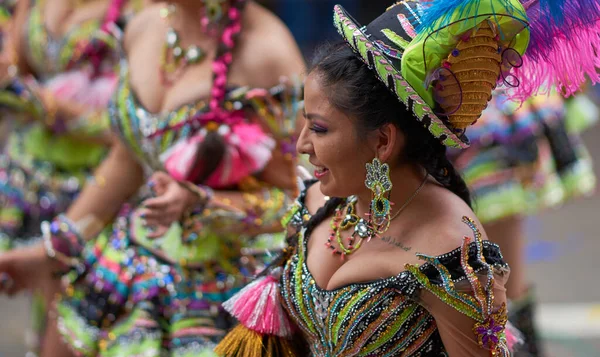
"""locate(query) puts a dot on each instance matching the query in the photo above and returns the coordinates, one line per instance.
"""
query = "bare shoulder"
(445, 219)
(268, 48)
(140, 23)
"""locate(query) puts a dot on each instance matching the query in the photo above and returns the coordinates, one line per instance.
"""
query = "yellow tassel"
(243, 342)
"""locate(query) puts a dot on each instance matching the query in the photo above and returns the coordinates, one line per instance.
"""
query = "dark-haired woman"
(61, 73)
(191, 110)
(386, 257)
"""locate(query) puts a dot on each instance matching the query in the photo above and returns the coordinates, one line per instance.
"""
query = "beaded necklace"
(346, 217)
(174, 58)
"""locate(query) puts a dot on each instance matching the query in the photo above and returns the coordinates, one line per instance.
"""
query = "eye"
(318, 129)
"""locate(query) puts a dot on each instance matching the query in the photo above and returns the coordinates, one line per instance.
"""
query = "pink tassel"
(257, 307)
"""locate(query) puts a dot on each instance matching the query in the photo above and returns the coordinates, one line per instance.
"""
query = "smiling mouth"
(321, 171)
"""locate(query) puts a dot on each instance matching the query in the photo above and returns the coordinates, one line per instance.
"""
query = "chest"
(56, 34)
(371, 319)
(374, 260)
(60, 17)
(147, 77)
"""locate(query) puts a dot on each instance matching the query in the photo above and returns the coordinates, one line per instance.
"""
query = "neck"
(406, 179)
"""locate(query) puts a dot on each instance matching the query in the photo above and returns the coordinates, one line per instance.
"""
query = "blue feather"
(439, 13)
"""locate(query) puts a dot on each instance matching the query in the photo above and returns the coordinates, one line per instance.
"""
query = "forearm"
(117, 178)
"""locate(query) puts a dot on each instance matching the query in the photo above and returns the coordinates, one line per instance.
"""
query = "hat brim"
(391, 76)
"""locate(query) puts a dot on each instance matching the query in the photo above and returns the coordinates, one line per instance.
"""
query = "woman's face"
(329, 138)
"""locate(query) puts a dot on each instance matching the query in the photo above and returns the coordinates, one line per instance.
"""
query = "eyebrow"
(313, 116)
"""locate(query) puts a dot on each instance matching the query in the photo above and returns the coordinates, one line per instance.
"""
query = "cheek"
(346, 167)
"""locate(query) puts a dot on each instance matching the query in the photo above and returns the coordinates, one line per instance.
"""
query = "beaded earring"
(379, 182)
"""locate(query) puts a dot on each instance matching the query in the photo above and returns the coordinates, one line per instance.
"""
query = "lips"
(320, 171)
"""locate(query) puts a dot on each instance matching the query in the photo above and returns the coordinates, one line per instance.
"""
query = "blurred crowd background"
(563, 245)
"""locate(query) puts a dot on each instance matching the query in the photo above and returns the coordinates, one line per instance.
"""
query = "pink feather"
(571, 61)
(564, 47)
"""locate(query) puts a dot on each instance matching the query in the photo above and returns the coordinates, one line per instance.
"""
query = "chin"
(330, 189)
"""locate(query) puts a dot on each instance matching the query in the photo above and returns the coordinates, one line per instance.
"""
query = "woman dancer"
(522, 159)
(61, 75)
(350, 282)
(190, 109)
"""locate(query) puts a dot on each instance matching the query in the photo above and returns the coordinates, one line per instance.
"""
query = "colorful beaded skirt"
(524, 159)
(132, 300)
(39, 177)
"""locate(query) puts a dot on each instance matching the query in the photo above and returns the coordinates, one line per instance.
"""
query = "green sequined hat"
(441, 58)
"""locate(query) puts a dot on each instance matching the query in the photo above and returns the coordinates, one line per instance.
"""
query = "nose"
(304, 145)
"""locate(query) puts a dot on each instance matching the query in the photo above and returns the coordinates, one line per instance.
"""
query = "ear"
(390, 142)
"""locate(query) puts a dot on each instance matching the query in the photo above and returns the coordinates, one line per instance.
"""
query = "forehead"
(314, 94)
(316, 100)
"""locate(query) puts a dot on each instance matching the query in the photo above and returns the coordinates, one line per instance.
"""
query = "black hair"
(355, 89)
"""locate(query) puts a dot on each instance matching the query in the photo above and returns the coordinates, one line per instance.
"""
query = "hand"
(25, 269)
(63, 109)
(169, 205)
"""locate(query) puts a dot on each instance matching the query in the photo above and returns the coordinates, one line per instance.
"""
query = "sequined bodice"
(151, 135)
(379, 318)
(48, 55)
(145, 132)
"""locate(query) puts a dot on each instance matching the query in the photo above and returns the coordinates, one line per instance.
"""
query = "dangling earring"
(379, 182)
(213, 13)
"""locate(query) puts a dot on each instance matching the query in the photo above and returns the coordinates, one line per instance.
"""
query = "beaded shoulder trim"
(439, 274)
(298, 214)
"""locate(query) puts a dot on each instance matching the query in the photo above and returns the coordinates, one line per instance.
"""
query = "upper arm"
(284, 59)
(19, 21)
(117, 178)
(463, 290)
(279, 54)
(457, 330)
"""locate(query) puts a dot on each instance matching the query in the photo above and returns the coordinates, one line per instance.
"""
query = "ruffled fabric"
(528, 158)
(81, 87)
(133, 300)
(248, 150)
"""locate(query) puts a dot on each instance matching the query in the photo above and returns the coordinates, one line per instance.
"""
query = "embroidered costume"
(442, 59)
(44, 165)
(131, 295)
(389, 317)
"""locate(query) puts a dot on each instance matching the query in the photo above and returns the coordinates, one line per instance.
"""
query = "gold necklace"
(411, 197)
